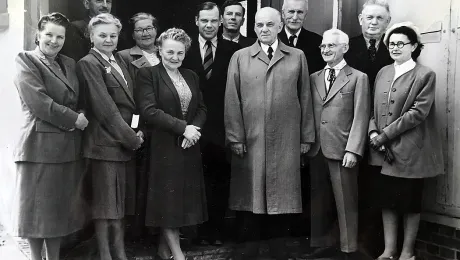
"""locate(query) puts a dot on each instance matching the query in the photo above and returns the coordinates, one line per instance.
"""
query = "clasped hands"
(377, 142)
(192, 136)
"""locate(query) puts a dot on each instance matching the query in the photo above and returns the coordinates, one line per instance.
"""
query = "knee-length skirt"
(48, 200)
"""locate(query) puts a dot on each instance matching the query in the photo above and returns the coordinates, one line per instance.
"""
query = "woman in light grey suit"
(49, 167)
(404, 138)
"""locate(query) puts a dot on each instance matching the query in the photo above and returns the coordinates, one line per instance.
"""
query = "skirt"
(402, 195)
(108, 179)
(48, 199)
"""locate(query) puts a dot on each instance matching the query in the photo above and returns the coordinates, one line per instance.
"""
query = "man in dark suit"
(369, 54)
(209, 58)
(232, 19)
(77, 43)
(294, 35)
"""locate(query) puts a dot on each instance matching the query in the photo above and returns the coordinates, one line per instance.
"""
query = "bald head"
(268, 24)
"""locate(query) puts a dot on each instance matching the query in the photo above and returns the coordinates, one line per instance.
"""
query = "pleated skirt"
(48, 200)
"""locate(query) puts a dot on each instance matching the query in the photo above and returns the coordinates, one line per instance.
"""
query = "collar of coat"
(256, 50)
(57, 73)
(341, 80)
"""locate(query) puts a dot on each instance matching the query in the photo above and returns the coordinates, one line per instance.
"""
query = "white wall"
(11, 43)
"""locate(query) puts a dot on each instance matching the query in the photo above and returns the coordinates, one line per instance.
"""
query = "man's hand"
(304, 148)
(81, 122)
(238, 149)
(350, 160)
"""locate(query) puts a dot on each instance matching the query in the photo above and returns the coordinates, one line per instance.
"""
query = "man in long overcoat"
(268, 123)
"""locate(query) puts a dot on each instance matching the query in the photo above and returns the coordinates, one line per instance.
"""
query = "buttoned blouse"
(185, 95)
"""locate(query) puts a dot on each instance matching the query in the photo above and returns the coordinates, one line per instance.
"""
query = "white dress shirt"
(203, 46)
(399, 71)
(265, 47)
(151, 57)
(290, 34)
(236, 39)
(337, 69)
(113, 63)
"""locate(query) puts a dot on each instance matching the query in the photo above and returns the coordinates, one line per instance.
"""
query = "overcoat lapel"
(167, 80)
(115, 73)
(55, 71)
(279, 54)
(341, 80)
(141, 61)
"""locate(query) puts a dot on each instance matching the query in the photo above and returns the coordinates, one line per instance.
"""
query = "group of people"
(176, 130)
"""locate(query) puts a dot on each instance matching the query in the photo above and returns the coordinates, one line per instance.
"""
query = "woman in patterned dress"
(170, 101)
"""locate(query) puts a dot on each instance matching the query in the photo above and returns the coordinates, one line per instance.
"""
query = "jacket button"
(390, 114)
(323, 122)
(394, 90)
(324, 98)
(392, 101)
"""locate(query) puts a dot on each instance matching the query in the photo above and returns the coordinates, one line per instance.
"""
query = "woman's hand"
(192, 133)
(186, 143)
(81, 122)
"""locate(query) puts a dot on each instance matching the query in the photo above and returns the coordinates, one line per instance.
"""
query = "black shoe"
(321, 252)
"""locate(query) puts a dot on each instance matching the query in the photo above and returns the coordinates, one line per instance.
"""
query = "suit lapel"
(339, 83)
(320, 85)
(167, 80)
(54, 70)
(115, 73)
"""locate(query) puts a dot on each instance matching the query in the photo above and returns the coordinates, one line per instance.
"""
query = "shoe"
(393, 257)
(217, 242)
(157, 256)
(321, 252)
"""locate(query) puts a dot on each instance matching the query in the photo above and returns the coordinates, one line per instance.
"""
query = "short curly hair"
(104, 18)
(177, 35)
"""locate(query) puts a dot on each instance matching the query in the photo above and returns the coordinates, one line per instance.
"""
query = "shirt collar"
(290, 34)
(405, 67)
(339, 66)
(104, 56)
(265, 46)
(236, 39)
(203, 41)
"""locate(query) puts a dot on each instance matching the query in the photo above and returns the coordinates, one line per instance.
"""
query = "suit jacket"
(110, 107)
(341, 116)
(49, 101)
(309, 43)
(407, 117)
(358, 58)
(213, 89)
(133, 59)
(77, 44)
(160, 105)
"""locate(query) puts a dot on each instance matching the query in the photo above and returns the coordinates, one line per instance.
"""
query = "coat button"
(392, 101)
(324, 98)
(394, 90)
(323, 122)
(390, 114)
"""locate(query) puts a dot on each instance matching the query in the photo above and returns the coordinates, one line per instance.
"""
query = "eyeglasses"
(142, 30)
(400, 44)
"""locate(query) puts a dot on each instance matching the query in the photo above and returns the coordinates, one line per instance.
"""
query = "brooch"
(108, 69)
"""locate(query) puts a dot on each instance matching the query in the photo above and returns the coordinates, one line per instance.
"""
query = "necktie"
(291, 40)
(208, 60)
(270, 52)
(372, 50)
(331, 79)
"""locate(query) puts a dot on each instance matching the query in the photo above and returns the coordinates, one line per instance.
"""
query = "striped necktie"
(208, 60)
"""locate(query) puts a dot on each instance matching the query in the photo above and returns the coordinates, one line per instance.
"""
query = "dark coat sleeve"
(200, 115)
(33, 93)
(147, 99)
(102, 105)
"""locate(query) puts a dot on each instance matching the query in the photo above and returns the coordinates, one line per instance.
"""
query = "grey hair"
(104, 19)
(383, 3)
(284, 4)
(177, 35)
(143, 16)
(343, 37)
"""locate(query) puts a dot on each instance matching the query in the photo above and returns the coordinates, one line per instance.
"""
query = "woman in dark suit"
(404, 138)
(109, 141)
(171, 103)
(144, 28)
(49, 167)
